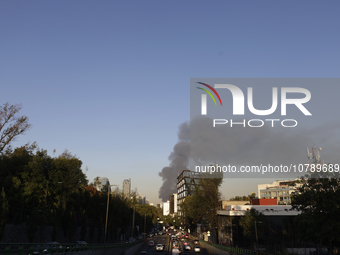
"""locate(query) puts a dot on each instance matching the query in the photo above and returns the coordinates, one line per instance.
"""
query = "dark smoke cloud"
(200, 144)
(179, 160)
(262, 145)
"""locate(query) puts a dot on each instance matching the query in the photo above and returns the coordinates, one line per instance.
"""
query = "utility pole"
(42, 230)
(107, 208)
(144, 225)
(133, 222)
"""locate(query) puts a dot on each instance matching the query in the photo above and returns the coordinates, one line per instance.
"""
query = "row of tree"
(39, 190)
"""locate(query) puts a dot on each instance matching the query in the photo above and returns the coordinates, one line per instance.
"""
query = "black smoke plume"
(179, 160)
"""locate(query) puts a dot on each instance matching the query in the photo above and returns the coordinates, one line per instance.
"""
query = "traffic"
(171, 242)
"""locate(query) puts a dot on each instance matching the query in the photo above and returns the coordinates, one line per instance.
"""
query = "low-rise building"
(280, 190)
(279, 223)
(262, 201)
(224, 203)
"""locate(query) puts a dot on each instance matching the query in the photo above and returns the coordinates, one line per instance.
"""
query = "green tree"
(193, 209)
(318, 200)
(4, 210)
(239, 198)
(204, 202)
(11, 125)
(253, 224)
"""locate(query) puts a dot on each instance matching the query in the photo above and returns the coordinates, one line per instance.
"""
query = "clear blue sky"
(109, 80)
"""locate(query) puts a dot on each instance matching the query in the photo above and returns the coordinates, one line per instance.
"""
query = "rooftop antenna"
(315, 155)
(309, 155)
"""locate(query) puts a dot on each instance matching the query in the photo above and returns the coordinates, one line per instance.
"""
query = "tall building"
(100, 182)
(141, 199)
(166, 210)
(186, 183)
(173, 203)
(127, 187)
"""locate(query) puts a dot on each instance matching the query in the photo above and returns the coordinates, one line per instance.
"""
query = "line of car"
(159, 247)
(176, 249)
(176, 244)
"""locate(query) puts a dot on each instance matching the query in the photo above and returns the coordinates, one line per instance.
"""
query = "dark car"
(46, 248)
(196, 241)
(80, 245)
(37, 249)
(53, 247)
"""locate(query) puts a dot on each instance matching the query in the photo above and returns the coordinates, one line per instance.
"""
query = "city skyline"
(109, 81)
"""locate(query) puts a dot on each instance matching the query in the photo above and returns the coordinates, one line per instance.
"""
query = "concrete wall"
(134, 249)
(20, 234)
(213, 250)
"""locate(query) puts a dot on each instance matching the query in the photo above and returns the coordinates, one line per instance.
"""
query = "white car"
(159, 247)
(187, 247)
(197, 249)
(151, 243)
(176, 251)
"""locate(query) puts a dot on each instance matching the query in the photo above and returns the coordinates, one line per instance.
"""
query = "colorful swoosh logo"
(208, 92)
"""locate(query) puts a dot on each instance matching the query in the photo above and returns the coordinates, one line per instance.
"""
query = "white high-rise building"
(173, 204)
(166, 208)
(127, 187)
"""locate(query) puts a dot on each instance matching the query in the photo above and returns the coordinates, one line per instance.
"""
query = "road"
(164, 239)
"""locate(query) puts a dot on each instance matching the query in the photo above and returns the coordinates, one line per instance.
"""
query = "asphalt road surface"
(164, 239)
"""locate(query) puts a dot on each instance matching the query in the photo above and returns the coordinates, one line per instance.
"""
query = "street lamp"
(133, 222)
(144, 225)
(107, 206)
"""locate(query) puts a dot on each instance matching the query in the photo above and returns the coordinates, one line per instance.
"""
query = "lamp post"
(133, 222)
(107, 206)
(42, 229)
(144, 225)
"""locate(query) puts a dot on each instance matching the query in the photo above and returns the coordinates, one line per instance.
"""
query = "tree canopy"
(250, 224)
(39, 190)
(11, 125)
(204, 202)
(318, 199)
